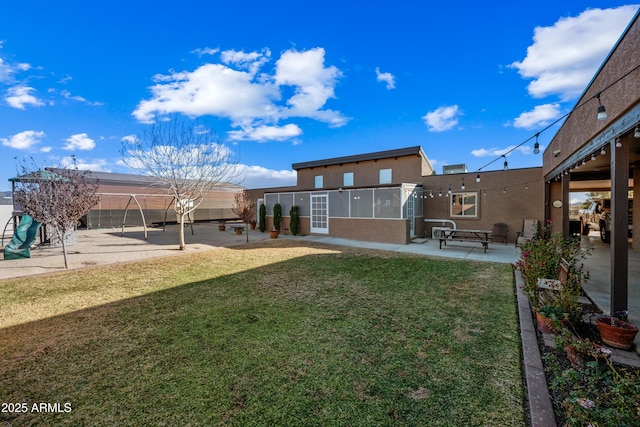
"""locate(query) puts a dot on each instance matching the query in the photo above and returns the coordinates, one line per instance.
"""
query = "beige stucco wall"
(406, 169)
(511, 207)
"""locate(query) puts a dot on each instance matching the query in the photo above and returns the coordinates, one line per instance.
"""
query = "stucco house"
(394, 196)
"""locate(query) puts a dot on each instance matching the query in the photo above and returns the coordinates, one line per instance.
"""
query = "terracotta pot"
(576, 358)
(619, 335)
(545, 324)
(221, 227)
(274, 234)
(252, 226)
(238, 230)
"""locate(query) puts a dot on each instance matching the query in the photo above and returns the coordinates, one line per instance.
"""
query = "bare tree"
(245, 208)
(187, 158)
(57, 198)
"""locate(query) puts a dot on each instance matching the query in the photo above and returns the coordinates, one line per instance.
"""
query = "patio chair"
(529, 230)
(499, 231)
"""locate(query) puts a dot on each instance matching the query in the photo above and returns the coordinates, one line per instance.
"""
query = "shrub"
(295, 220)
(263, 218)
(277, 216)
(541, 257)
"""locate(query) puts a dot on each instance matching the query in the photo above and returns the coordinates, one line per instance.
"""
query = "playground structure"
(24, 236)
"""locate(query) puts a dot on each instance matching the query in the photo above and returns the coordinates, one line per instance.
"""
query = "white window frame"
(462, 195)
(386, 176)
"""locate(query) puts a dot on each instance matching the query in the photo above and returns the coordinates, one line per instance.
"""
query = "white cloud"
(95, 165)
(252, 100)
(8, 69)
(20, 96)
(442, 118)
(132, 139)
(564, 57)
(261, 177)
(497, 152)
(266, 133)
(387, 78)
(251, 61)
(23, 140)
(205, 51)
(65, 93)
(79, 141)
(542, 115)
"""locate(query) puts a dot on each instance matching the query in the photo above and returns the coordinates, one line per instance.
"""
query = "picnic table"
(465, 235)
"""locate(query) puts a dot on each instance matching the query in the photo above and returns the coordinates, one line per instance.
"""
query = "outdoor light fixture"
(636, 132)
(593, 156)
(506, 165)
(618, 143)
(440, 192)
(462, 186)
(566, 172)
(603, 151)
(602, 113)
(478, 178)
(536, 146)
(504, 190)
(526, 186)
(449, 192)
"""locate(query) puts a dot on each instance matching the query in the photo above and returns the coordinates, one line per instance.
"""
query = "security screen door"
(319, 213)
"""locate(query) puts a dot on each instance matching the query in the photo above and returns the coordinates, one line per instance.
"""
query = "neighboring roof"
(143, 180)
(39, 175)
(400, 152)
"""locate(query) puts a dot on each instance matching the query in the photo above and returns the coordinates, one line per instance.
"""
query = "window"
(385, 176)
(464, 205)
(347, 179)
(318, 181)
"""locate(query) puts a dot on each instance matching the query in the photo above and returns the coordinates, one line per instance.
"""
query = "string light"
(636, 132)
(603, 151)
(593, 157)
(478, 178)
(506, 165)
(536, 146)
(602, 113)
(618, 143)
(462, 186)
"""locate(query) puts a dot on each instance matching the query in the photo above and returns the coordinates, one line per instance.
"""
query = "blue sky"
(284, 82)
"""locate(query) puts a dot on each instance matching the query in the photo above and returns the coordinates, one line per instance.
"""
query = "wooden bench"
(463, 235)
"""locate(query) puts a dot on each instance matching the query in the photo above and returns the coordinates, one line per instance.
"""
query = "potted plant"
(238, 230)
(550, 319)
(615, 332)
(579, 350)
(277, 218)
(221, 226)
(252, 224)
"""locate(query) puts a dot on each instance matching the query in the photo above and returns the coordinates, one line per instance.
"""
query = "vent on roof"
(448, 169)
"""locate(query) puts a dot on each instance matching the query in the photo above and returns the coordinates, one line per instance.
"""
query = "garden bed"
(601, 394)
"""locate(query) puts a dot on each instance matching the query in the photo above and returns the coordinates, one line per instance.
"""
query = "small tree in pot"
(277, 218)
(245, 208)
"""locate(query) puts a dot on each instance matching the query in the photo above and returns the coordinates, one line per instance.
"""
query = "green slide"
(23, 238)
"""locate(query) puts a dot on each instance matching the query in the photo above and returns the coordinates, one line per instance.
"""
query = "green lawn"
(275, 333)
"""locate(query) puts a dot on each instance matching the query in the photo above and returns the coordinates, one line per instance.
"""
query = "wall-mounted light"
(462, 186)
(593, 156)
(536, 146)
(603, 151)
(440, 192)
(618, 143)
(526, 186)
(602, 112)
